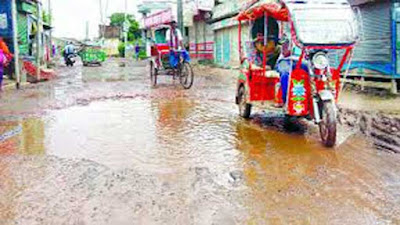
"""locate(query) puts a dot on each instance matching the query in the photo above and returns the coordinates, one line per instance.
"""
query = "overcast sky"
(70, 16)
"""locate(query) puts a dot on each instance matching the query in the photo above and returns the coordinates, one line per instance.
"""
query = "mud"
(381, 129)
(100, 146)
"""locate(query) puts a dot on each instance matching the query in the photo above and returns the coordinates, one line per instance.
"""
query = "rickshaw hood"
(272, 8)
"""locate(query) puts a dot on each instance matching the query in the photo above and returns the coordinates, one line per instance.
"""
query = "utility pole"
(126, 28)
(102, 29)
(180, 15)
(87, 31)
(38, 39)
(51, 28)
(15, 43)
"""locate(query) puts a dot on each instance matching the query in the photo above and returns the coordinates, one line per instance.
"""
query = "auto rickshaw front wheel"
(244, 107)
(328, 124)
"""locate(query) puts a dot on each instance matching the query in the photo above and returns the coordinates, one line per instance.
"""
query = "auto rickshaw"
(92, 55)
(287, 60)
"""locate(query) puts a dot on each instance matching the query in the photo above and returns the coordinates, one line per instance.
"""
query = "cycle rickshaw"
(159, 62)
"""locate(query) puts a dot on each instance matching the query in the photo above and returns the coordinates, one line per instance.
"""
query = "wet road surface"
(100, 146)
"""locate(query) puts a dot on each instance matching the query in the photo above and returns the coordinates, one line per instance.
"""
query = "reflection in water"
(19, 137)
(25, 137)
(32, 137)
(296, 181)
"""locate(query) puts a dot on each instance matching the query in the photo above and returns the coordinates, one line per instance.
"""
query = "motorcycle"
(70, 60)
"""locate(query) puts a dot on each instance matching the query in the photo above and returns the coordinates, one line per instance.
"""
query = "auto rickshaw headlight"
(320, 60)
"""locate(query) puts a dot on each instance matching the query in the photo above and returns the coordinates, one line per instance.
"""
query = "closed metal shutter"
(375, 45)
(218, 46)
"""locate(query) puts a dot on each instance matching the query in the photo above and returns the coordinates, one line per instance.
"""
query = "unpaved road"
(100, 146)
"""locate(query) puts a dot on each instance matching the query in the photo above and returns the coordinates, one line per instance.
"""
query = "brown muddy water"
(108, 149)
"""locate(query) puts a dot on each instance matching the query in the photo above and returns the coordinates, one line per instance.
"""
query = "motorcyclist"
(69, 49)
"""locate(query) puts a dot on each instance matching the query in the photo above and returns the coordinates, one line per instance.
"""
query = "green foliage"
(46, 17)
(117, 19)
(121, 49)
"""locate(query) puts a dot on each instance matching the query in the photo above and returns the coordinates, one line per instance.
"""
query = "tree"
(117, 19)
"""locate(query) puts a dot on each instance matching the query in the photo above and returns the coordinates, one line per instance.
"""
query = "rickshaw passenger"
(175, 41)
(272, 51)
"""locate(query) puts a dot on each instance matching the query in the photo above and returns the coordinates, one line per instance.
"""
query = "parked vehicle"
(286, 66)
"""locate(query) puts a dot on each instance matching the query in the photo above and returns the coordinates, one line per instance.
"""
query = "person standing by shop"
(5, 58)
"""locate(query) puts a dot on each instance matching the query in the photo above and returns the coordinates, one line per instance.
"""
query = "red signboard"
(162, 17)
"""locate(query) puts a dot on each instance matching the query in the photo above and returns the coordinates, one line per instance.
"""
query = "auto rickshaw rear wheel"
(328, 124)
(244, 107)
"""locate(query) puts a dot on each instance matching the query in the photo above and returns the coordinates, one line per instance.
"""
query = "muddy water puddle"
(120, 152)
(220, 167)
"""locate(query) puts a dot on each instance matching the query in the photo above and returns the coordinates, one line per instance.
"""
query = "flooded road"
(100, 146)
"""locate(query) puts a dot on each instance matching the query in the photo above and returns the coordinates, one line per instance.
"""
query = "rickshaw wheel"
(186, 76)
(327, 126)
(244, 107)
(153, 74)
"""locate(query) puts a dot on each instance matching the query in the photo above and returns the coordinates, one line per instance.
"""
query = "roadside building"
(200, 36)
(197, 33)
(155, 14)
(225, 28)
(27, 34)
(378, 53)
(112, 36)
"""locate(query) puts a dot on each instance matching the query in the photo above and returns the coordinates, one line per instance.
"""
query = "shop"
(225, 28)
(199, 32)
(378, 53)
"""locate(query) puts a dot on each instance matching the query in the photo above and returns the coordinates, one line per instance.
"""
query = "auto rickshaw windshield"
(320, 25)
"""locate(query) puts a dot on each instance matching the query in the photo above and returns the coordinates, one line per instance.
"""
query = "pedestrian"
(137, 50)
(3, 61)
(5, 49)
(5, 57)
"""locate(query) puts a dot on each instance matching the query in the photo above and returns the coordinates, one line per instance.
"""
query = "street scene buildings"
(199, 112)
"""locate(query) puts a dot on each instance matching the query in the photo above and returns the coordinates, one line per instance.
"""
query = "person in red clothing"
(5, 49)
(5, 58)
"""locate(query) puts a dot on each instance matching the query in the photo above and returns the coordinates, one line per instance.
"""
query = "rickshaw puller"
(175, 41)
